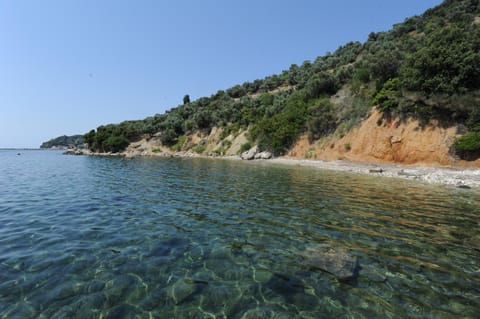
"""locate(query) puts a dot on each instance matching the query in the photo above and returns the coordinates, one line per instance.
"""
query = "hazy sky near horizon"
(68, 66)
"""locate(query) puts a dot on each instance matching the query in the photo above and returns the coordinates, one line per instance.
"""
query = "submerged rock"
(373, 273)
(183, 288)
(122, 311)
(334, 260)
(263, 313)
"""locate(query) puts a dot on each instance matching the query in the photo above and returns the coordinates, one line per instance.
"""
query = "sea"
(110, 237)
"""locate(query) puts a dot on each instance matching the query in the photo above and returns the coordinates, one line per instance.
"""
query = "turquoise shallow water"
(93, 237)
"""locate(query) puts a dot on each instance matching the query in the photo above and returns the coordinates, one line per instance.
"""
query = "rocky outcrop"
(250, 154)
(254, 153)
(263, 155)
(77, 151)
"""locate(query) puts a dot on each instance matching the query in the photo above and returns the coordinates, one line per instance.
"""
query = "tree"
(448, 62)
(115, 143)
(186, 99)
(89, 138)
(321, 119)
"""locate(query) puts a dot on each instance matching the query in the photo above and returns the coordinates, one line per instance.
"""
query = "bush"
(115, 143)
(321, 120)
(199, 149)
(387, 97)
(245, 147)
(178, 145)
(467, 147)
(448, 62)
(168, 137)
(278, 132)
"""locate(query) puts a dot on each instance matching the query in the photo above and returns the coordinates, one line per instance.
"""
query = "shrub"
(115, 143)
(180, 141)
(321, 120)
(448, 62)
(168, 137)
(245, 147)
(387, 97)
(467, 147)
(199, 149)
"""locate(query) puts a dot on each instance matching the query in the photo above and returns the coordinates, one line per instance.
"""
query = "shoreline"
(448, 176)
(460, 177)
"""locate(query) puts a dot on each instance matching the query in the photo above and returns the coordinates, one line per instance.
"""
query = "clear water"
(93, 237)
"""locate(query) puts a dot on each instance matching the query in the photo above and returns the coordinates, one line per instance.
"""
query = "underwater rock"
(262, 275)
(372, 273)
(283, 286)
(181, 290)
(334, 260)
(122, 311)
(263, 313)
(171, 247)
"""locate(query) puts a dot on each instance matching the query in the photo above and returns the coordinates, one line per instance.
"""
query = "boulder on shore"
(76, 151)
(263, 155)
(254, 153)
(250, 154)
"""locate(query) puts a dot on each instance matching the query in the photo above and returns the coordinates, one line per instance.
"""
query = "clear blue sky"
(67, 66)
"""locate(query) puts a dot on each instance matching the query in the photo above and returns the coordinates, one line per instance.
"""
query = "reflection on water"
(85, 237)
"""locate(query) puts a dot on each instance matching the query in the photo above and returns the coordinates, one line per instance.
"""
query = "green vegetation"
(245, 147)
(387, 97)
(199, 149)
(64, 142)
(468, 146)
(427, 67)
(180, 142)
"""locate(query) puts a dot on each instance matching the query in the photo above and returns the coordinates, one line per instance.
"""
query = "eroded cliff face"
(195, 144)
(386, 141)
(376, 140)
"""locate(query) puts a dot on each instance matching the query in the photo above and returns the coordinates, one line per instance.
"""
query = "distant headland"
(64, 142)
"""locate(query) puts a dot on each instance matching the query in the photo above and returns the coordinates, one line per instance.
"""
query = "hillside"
(74, 141)
(422, 76)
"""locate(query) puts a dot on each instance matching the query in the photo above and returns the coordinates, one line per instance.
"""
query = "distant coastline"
(20, 149)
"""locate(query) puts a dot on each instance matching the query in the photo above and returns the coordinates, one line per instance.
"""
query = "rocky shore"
(459, 177)
(452, 176)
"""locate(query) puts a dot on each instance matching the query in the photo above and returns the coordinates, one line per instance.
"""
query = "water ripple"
(116, 238)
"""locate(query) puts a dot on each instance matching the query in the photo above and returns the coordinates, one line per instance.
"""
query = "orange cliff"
(380, 140)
